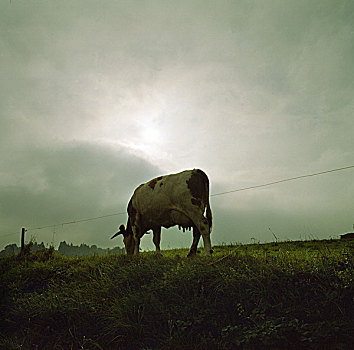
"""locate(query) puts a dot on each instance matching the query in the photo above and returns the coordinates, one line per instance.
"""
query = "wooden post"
(23, 239)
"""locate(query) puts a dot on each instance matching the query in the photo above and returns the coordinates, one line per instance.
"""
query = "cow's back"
(183, 192)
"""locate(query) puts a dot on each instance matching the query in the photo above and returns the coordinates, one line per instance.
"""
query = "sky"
(97, 97)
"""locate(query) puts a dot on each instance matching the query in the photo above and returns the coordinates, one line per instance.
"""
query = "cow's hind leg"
(157, 237)
(204, 228)
(196, 237)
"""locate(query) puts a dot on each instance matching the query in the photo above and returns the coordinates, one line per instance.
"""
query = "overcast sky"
(97, 97)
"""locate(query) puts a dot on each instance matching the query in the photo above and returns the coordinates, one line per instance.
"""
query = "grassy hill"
(287, 295)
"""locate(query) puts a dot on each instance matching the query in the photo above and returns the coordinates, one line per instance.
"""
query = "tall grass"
(287, 295)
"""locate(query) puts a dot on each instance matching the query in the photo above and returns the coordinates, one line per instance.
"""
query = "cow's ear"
(120, 232)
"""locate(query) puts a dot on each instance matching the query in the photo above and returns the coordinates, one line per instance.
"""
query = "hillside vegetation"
(286, 295)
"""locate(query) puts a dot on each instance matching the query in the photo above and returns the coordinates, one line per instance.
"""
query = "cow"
(177, 199)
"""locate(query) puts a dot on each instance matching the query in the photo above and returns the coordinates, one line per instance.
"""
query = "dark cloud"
(48, 186)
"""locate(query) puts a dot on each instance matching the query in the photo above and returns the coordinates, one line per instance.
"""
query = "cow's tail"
(209, 216)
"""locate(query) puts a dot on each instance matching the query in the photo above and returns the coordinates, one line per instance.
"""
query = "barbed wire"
(64, 223)
(212, 195)
(280, 181)
(9, 234)
(75, 221)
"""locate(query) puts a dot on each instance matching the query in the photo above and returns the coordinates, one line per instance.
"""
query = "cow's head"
(128, 239)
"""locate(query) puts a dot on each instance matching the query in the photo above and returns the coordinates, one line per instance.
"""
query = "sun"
(144, 130)
(148, 137)
(148, 127)
(150, 134)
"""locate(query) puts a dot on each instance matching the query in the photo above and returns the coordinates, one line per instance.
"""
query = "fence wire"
(212, 195)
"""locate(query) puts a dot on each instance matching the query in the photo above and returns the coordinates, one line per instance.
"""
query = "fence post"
(23, 239)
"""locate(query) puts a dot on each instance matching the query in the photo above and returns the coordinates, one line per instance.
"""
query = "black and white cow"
(178, 199)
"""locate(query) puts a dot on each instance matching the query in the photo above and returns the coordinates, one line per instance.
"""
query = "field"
(288, 295)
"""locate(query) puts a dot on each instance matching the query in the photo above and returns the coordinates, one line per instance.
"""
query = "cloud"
(95, 94)
(47, 186)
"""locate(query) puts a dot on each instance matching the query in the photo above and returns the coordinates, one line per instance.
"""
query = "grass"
(287, 295)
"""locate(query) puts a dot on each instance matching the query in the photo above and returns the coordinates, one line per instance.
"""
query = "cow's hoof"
(191, 255)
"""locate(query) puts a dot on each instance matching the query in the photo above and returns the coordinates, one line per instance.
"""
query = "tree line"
(65, 249)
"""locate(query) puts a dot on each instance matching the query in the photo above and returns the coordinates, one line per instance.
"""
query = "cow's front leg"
(136, 240)
(136, 245)
(157, 237)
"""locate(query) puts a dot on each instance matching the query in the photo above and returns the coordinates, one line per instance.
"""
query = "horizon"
(223, 244)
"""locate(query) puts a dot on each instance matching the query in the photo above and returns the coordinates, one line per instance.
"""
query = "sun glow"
(143, 134)
(150, 134)
(141, 127)
(149, 137)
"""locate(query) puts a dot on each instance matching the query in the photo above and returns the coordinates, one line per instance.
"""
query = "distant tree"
(65, 249)
(10, 249)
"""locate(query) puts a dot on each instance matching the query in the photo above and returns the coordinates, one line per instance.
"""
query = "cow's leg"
(137, 245)
(204, 228)
(196, 237)
(207, 244)
(157, 237)
(136, 238)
